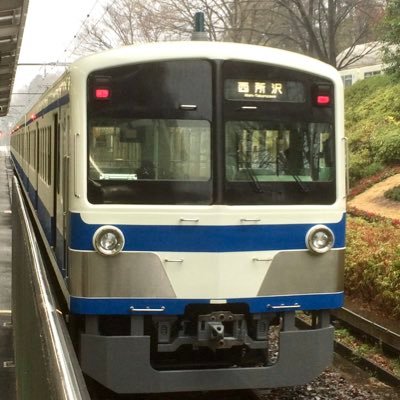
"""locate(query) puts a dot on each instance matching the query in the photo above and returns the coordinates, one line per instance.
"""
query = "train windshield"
(151, 149)
(277, 156)
(149, 134)
(279, 138)
(210, 132)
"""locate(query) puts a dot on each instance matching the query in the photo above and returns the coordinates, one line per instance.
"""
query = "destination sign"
(260, 90)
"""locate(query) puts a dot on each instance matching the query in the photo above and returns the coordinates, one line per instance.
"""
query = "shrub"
(372, 125)
(373, 168)
(372, 269)
(386, 144)
(358, 165)
(393, 194)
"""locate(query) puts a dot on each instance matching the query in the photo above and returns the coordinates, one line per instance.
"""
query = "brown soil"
(373, 200)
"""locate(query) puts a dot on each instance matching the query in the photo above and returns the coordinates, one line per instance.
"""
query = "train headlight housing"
(108, 240)
(320, 239)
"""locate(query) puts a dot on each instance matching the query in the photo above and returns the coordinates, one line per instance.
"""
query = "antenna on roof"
(199, 33)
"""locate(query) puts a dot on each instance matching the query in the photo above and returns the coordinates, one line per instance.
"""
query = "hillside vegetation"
(372, 270)
(373, 125)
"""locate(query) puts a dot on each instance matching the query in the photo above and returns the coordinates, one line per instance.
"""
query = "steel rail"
(387, 340)
(376, 332)
(351, 355)
(365, 364)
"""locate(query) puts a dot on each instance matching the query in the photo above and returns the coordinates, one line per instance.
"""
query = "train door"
(64, 184)
(36, 164)
(58, 233)
(61, 127)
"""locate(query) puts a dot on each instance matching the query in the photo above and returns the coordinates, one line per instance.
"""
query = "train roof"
(202, 50)
(188, 50)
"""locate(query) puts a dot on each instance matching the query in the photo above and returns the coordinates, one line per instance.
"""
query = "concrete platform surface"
(7, 370)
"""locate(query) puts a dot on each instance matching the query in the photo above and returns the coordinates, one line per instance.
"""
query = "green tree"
(390, 34)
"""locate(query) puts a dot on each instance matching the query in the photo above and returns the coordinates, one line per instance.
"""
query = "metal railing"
(45, 361)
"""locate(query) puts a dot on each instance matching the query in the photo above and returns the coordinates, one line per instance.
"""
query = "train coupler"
(221, 330)
(217, 330)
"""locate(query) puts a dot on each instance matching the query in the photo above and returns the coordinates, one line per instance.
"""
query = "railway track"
(388, 339)
(376, 336)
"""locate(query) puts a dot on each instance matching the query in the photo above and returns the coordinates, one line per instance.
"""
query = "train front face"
(214, 213)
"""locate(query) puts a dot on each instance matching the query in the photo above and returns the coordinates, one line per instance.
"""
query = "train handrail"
(63, 370)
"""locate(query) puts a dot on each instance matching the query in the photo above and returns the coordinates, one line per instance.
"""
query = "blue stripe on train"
(123, 306)
(50, 107)
(46, 220)
(205, 238)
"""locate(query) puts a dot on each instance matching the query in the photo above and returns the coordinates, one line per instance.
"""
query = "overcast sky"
(49, 31)
(48, 37)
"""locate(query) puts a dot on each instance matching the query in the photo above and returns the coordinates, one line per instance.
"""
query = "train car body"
(194, 197)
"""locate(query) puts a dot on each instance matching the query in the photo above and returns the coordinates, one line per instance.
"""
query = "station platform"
(7, 370)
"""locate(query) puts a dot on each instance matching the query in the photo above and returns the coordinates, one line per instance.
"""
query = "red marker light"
(321, 94)
(323, 100)
(102, 93)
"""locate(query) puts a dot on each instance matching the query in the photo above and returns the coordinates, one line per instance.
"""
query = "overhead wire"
(94, 25)
(52, 67)
(88, 15)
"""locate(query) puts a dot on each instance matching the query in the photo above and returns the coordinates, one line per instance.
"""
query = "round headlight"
(320, 239)
(108, 240)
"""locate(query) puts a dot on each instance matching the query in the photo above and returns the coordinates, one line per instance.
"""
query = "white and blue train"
(193, 195)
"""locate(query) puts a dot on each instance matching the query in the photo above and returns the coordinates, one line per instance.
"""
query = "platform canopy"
(12, 23)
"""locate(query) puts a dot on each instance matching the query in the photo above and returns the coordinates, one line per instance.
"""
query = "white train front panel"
(261, 263)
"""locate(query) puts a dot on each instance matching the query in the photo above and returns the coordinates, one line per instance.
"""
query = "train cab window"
(149, 134)
(279, 141)
(279, 162)
(143, 157)
(151, 150)
(272, 152)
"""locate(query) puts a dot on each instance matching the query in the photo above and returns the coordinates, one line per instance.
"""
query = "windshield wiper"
(255, 182)
(301, 184)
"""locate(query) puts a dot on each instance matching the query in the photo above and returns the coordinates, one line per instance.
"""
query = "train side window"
(43, 142)
(40, 166)
(45, 137)
(49, 152)
(30, 144)
(57, 171)
(37, 148)
(28, 148)
(32, 149)
(44, 154)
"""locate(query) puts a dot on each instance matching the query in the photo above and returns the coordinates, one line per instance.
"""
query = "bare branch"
(319, 28)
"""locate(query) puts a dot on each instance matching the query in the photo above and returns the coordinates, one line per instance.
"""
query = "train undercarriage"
(206, 349)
